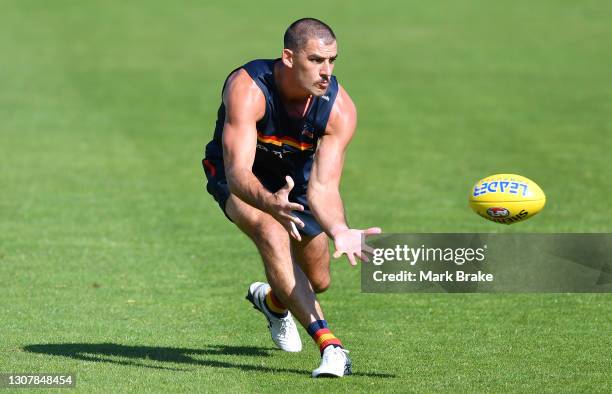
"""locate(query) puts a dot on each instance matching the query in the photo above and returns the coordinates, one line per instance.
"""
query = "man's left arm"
(324, 184)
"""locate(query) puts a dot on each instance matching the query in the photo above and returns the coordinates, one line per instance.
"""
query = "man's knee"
(270, 236)
(321, 283)
(264, 230)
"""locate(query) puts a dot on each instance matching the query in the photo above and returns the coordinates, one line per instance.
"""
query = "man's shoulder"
(242, 96)
(238, 79)
(258, 72)
(253, 69)
(344, 113)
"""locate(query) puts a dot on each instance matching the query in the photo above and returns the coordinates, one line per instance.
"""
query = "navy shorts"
(217, 187)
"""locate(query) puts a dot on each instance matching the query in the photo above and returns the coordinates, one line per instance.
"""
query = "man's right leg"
(287, 280)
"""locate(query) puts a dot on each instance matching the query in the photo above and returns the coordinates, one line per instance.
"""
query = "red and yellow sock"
(321, 334)
(274, 305)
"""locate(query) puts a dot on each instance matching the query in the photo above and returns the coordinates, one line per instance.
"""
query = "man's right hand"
(281, 209)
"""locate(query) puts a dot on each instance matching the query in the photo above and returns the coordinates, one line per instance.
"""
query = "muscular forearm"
(328, 209)
(248, 188)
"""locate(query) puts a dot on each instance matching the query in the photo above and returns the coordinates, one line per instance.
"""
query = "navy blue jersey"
(285, 145)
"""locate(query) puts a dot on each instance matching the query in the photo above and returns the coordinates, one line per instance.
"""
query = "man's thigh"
(312, 255)
(217, 186)
(260, 226)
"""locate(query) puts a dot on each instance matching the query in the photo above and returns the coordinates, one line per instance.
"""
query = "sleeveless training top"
(285, 146)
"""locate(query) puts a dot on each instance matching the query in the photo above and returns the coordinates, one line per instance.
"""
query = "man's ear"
(287, 57)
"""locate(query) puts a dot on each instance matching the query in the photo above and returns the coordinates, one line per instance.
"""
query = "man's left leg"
(311, 254)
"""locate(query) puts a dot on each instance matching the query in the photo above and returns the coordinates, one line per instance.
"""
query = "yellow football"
(506, 198)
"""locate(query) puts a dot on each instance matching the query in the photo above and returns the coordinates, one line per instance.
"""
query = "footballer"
(274, 167)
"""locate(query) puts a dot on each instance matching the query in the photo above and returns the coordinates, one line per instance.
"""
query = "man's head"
(310, 51)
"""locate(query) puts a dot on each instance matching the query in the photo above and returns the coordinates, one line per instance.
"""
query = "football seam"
(505, 202)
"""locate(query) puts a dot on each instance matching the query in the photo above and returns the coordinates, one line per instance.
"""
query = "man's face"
(313, 66)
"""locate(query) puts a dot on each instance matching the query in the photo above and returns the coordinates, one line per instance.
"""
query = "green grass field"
(116, 265)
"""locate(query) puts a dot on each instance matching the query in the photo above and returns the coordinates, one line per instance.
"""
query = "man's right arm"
(244, 105)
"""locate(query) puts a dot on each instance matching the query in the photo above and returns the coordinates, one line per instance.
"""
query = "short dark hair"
(302, 30)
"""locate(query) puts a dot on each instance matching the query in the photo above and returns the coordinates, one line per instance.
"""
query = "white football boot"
(335, 363)
(283, 330)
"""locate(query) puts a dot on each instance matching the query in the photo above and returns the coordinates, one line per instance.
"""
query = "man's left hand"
(348, 242)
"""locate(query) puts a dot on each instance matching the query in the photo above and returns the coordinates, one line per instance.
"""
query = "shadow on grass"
(138, 355)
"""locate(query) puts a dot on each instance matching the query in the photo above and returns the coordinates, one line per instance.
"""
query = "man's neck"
(288, 89)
